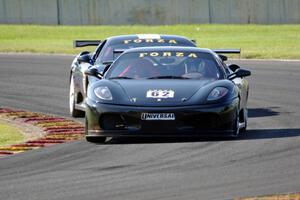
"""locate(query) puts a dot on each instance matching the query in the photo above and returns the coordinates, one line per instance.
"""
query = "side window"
(226, 69)
(98, 50)
(224, 66)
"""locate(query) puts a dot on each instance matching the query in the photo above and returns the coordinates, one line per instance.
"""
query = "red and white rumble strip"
(55, 130)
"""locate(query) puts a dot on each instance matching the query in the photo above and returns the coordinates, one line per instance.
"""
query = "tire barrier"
(56, 130)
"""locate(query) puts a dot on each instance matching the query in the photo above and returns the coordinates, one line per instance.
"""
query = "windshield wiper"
(168, 77)
(120, 77)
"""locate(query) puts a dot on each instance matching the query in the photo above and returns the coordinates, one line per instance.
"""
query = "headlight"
(103, 92)
(217, 93)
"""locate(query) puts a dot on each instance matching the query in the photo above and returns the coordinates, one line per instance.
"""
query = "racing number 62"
(160, 94)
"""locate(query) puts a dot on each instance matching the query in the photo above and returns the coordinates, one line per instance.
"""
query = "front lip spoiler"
(125, 133)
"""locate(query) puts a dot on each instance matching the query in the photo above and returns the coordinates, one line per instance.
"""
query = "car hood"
(164, 92)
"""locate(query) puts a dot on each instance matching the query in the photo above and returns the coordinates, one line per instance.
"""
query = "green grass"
(9, 134)
(256, 41)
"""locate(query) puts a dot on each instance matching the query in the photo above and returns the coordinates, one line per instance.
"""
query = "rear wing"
(218, 51)
(85, 43)
(119, 50)
(227, 51)
(194, 41)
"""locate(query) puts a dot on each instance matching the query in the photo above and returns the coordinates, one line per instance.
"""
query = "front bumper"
(205, 120)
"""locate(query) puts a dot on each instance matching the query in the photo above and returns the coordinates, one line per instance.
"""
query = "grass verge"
(9, 134)
(256, 41)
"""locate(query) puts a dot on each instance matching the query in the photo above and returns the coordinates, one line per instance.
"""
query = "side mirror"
(223, 58)
(93, 72)
(239, 73)
(233, 67)
(242, 73)
(86, 58)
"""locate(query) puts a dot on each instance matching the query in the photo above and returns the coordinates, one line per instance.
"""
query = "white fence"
(79, 12)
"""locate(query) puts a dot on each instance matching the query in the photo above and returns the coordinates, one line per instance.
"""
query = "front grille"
(203, 121)
(111, 122)
(185, 121)
(119, 122)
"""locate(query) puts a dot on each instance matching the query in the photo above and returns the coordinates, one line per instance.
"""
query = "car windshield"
(109, 53)
(165, 65)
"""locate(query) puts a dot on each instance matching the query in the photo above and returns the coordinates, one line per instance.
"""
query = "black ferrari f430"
(166, 91)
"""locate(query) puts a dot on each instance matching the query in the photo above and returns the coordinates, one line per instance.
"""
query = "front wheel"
(73, 111)
(98, 139)
(243, 129)
(93, 139)
(236, 132)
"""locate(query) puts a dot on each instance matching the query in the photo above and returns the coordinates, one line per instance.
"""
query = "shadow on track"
(253, 134)
(149, 140)
(256, 134)
(262, 112)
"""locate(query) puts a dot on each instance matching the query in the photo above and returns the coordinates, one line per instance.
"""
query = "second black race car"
(167, 91)
(105, 52)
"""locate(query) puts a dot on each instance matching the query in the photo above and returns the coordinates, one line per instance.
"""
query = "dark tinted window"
(166, 65)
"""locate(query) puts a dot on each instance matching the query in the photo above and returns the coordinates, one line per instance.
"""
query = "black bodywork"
(193, 114)
(105, 52)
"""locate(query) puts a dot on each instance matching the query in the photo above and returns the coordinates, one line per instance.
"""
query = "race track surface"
(263, 161)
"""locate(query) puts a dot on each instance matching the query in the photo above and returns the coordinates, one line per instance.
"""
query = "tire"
(236, 128)
(92, 139)
(73, 111)
(243, 130)
(98, 139)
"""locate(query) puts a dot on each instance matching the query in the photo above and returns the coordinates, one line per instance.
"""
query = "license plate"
(158, 116)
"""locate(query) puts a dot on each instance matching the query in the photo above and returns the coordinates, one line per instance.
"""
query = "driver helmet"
(143, 68)
(195, 66)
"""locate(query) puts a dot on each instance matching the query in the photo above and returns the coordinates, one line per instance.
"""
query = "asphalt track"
(263, 161)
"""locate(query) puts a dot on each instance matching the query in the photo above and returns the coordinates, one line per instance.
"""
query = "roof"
(121, 38)
(147, 36)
